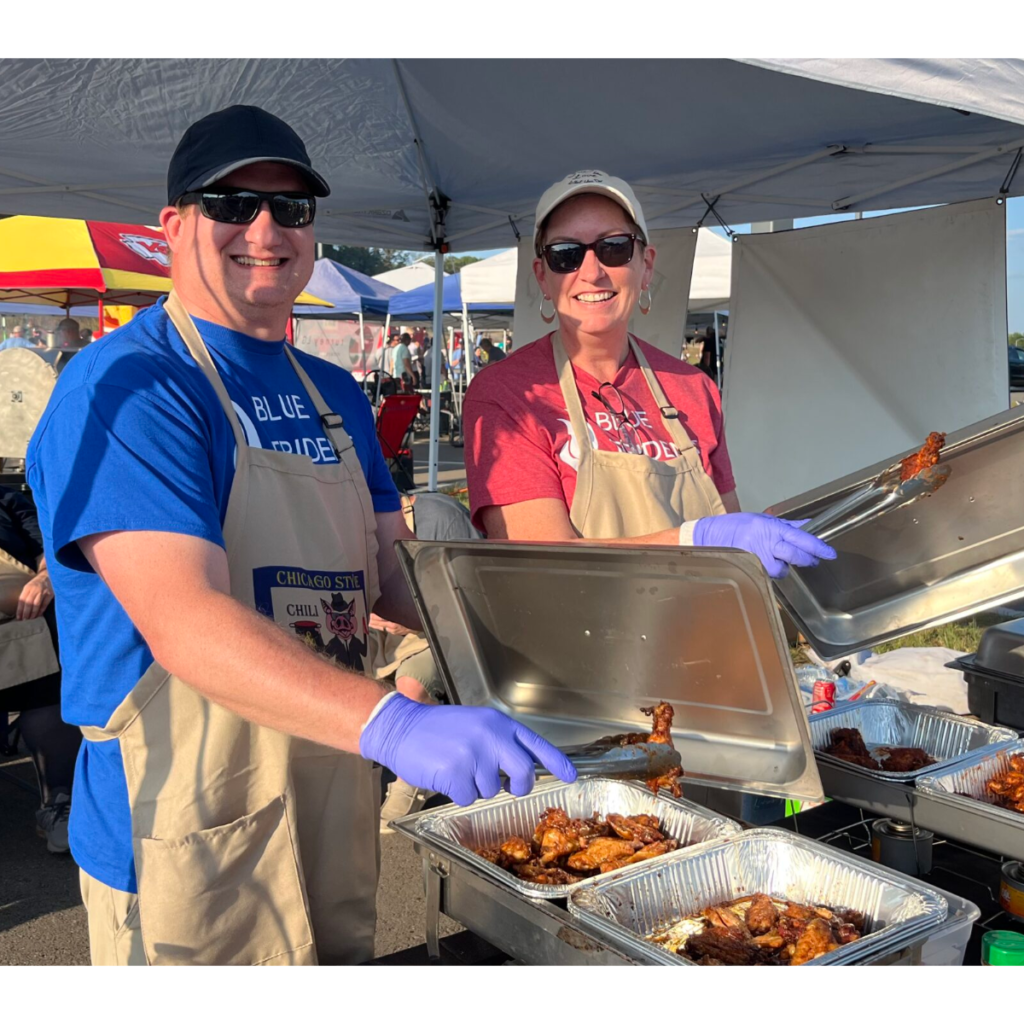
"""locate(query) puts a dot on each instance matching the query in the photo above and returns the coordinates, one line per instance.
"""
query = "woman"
(590, 433)
(29, 669)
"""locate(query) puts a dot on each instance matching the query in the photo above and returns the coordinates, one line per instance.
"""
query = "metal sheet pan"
(954, 554)
(889, 723)
(638, 906)
(573, 639)
(457, 831)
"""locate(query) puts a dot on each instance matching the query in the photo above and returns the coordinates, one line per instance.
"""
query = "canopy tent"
(349, 293)
(419, 303)
(407, 278)
(55, 262)
(462, 168)
(492, 279)
(712, 273)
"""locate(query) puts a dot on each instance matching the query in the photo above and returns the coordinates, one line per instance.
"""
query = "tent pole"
(383, 349)
(468, 349)
(99, 309)
(435, 364)
(718, 354)
(362, 340)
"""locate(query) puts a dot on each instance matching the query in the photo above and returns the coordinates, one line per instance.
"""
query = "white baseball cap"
(593, 183)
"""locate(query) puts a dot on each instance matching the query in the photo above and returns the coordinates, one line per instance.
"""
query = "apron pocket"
(226, 895)
(26, 652)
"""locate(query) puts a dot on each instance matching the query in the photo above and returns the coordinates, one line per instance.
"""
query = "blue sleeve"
(109, 458)
(378, 476)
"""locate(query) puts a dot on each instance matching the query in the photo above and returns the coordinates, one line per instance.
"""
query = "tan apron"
(26, 648)
(621, 495)
(253, 847)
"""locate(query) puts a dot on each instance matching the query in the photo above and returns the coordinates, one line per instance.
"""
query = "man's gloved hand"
(779, 543)
(457, 750)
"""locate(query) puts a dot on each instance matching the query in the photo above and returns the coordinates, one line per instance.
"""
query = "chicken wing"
(601, 851)
(921, 460)
(642, 827)
(762, 915)
(815, 941)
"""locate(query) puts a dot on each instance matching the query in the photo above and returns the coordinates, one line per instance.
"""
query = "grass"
(957, 636)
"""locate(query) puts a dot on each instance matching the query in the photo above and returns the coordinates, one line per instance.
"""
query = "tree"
(453, 264)
(1016, 339)
(367, 261)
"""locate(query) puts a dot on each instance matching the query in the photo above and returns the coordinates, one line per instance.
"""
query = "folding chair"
(395, 417)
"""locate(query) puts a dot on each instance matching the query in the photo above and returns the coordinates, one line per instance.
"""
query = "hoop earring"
(640, 301)
(547, 319)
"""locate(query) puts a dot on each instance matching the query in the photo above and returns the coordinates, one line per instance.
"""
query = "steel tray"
(457, 830)
(891, 723)
(632, 909)
(954, 554)
(573, 639)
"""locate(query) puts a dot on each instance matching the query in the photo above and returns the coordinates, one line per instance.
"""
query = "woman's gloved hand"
(458, 751)
(779, 543)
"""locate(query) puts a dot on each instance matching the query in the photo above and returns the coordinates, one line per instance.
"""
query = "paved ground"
(451, 467)
(42, 920)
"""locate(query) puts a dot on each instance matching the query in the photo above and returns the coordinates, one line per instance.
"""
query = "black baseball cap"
(221, 142)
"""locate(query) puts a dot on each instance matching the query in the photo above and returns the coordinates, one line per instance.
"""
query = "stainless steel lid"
(573, 640)
(948, 556)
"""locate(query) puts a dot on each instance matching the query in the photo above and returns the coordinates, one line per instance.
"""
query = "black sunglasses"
(242, 206)
(612, 251)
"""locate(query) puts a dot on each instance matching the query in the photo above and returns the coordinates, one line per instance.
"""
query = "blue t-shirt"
(135, 438)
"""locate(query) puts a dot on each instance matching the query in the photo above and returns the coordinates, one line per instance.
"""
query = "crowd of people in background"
(68, 334)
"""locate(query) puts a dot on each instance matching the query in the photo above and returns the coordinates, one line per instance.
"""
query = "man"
(219, 521)
(489, 352)
(401, 360)
(67, 334)
(85, 336)
(17, 339)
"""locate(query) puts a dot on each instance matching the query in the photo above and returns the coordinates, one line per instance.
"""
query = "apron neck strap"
(571, 395)
(201, 354)
(332, 422)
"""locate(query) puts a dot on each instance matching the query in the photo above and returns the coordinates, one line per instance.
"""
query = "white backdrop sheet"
(848, 343)
(337, 341)
(670, 289)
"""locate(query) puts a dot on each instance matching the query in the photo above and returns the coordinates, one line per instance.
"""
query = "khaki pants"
(115, 938)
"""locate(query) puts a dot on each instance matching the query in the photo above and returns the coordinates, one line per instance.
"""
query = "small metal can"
(823, 695)
(901, 847)
(1011, 889)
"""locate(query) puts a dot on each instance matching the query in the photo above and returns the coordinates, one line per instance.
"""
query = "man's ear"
(172, 220)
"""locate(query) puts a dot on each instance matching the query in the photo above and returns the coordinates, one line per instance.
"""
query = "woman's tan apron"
(26, 648)
(621, 495)
(252, 846)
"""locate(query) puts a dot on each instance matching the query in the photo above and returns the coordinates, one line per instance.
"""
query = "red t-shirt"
(519, 442)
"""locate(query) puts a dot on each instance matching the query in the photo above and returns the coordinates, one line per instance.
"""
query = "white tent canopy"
(712, 273)
(492, 279)
(415, 275)
(386, 133)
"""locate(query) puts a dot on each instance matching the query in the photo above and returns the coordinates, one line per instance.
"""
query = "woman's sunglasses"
(242, 206)
(612, 251)
(611, 398)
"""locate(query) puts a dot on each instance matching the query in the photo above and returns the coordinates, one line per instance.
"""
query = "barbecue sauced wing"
(643, 827)
(923, 459)
(905, 759)
(669, 781)
(1007, 787)
(602, 851)
(517, 849)
(815, 940)
(848, 745)
(762, 915)
(662, 714)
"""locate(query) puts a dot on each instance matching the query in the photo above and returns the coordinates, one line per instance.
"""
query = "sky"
(1014, 254)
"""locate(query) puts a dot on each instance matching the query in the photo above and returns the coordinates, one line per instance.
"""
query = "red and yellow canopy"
(58, 262)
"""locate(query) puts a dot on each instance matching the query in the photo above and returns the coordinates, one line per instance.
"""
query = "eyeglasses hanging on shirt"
(611, 398)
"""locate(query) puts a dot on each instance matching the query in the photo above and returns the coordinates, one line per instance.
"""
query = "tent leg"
(99, 309)
(362, 342)
(467, 348)
(718, 354)
(435, 365)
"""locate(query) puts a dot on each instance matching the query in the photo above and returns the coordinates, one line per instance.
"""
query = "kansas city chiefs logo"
(148, 248)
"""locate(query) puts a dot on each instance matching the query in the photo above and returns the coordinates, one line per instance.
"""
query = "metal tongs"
(883, 494)
(631, 761)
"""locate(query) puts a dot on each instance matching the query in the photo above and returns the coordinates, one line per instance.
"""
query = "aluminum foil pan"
(963, 784)
(459, 830)
(891, 723)
(630, 911)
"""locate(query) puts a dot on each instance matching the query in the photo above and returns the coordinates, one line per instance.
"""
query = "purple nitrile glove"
(779, 543)
(458, 751)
